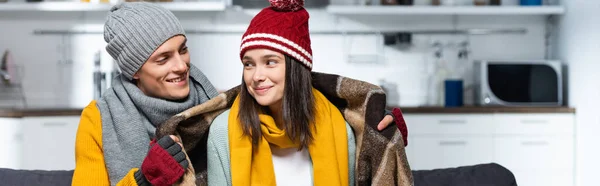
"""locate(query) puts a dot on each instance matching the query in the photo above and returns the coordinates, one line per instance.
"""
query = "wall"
(58, 68)
(578, 44)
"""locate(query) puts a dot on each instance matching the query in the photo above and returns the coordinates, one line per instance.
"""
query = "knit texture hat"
(281, 27)
(134, 30)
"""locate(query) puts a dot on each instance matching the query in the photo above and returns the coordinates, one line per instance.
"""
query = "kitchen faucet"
(4, 75)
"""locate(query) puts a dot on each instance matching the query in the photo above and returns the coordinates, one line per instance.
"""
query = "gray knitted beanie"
(133, 30)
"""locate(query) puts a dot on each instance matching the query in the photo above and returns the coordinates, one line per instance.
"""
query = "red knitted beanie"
(281, 27)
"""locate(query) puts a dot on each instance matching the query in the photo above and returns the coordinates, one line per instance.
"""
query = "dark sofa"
(490, 174)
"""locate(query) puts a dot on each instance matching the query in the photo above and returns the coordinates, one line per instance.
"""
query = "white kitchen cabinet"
(543, 177)
(49, 142)
(428, 124)
(435, 152)
(537, 148)
(534, 152)
(409, 151)
(534, 124)
(10, 143)
(537, 160)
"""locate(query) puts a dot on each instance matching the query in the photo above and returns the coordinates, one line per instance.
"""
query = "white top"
(292, 167)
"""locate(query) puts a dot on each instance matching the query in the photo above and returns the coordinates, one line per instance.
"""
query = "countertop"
(18, 113)
(477, 109)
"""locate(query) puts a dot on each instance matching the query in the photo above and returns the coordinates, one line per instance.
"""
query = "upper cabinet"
(342, 10)
(198, 6)
(215, 6)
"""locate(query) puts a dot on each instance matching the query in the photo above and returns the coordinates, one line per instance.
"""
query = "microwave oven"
(518, 83)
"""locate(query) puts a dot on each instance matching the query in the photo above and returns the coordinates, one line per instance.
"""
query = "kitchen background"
(55, 50)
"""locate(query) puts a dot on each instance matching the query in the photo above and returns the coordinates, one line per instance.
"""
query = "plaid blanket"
(380, 156)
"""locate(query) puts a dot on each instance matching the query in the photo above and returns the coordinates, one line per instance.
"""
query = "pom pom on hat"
(287, 5)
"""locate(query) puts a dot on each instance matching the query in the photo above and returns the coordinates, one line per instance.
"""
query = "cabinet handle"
(18, 137)
(526, 121)
(54, 124)
(453, 143)
(534, 143)
(450, 122)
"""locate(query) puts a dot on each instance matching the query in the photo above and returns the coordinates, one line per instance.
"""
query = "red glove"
(164, 165)
(399, 120)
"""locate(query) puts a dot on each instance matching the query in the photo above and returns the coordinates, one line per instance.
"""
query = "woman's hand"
(395, 116)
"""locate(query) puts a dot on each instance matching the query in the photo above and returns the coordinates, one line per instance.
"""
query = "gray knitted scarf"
(129, 120)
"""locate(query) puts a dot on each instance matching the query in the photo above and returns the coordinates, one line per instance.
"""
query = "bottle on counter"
(438, 72)
(480, 2)
(99, 77)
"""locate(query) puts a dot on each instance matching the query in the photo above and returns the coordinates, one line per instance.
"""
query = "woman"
(115, 142)
(280, 130)
(279, 115)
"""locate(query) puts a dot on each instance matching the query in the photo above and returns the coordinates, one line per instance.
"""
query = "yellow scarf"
(328, 151)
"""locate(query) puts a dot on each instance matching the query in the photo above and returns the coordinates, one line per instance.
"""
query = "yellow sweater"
(89, 156)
